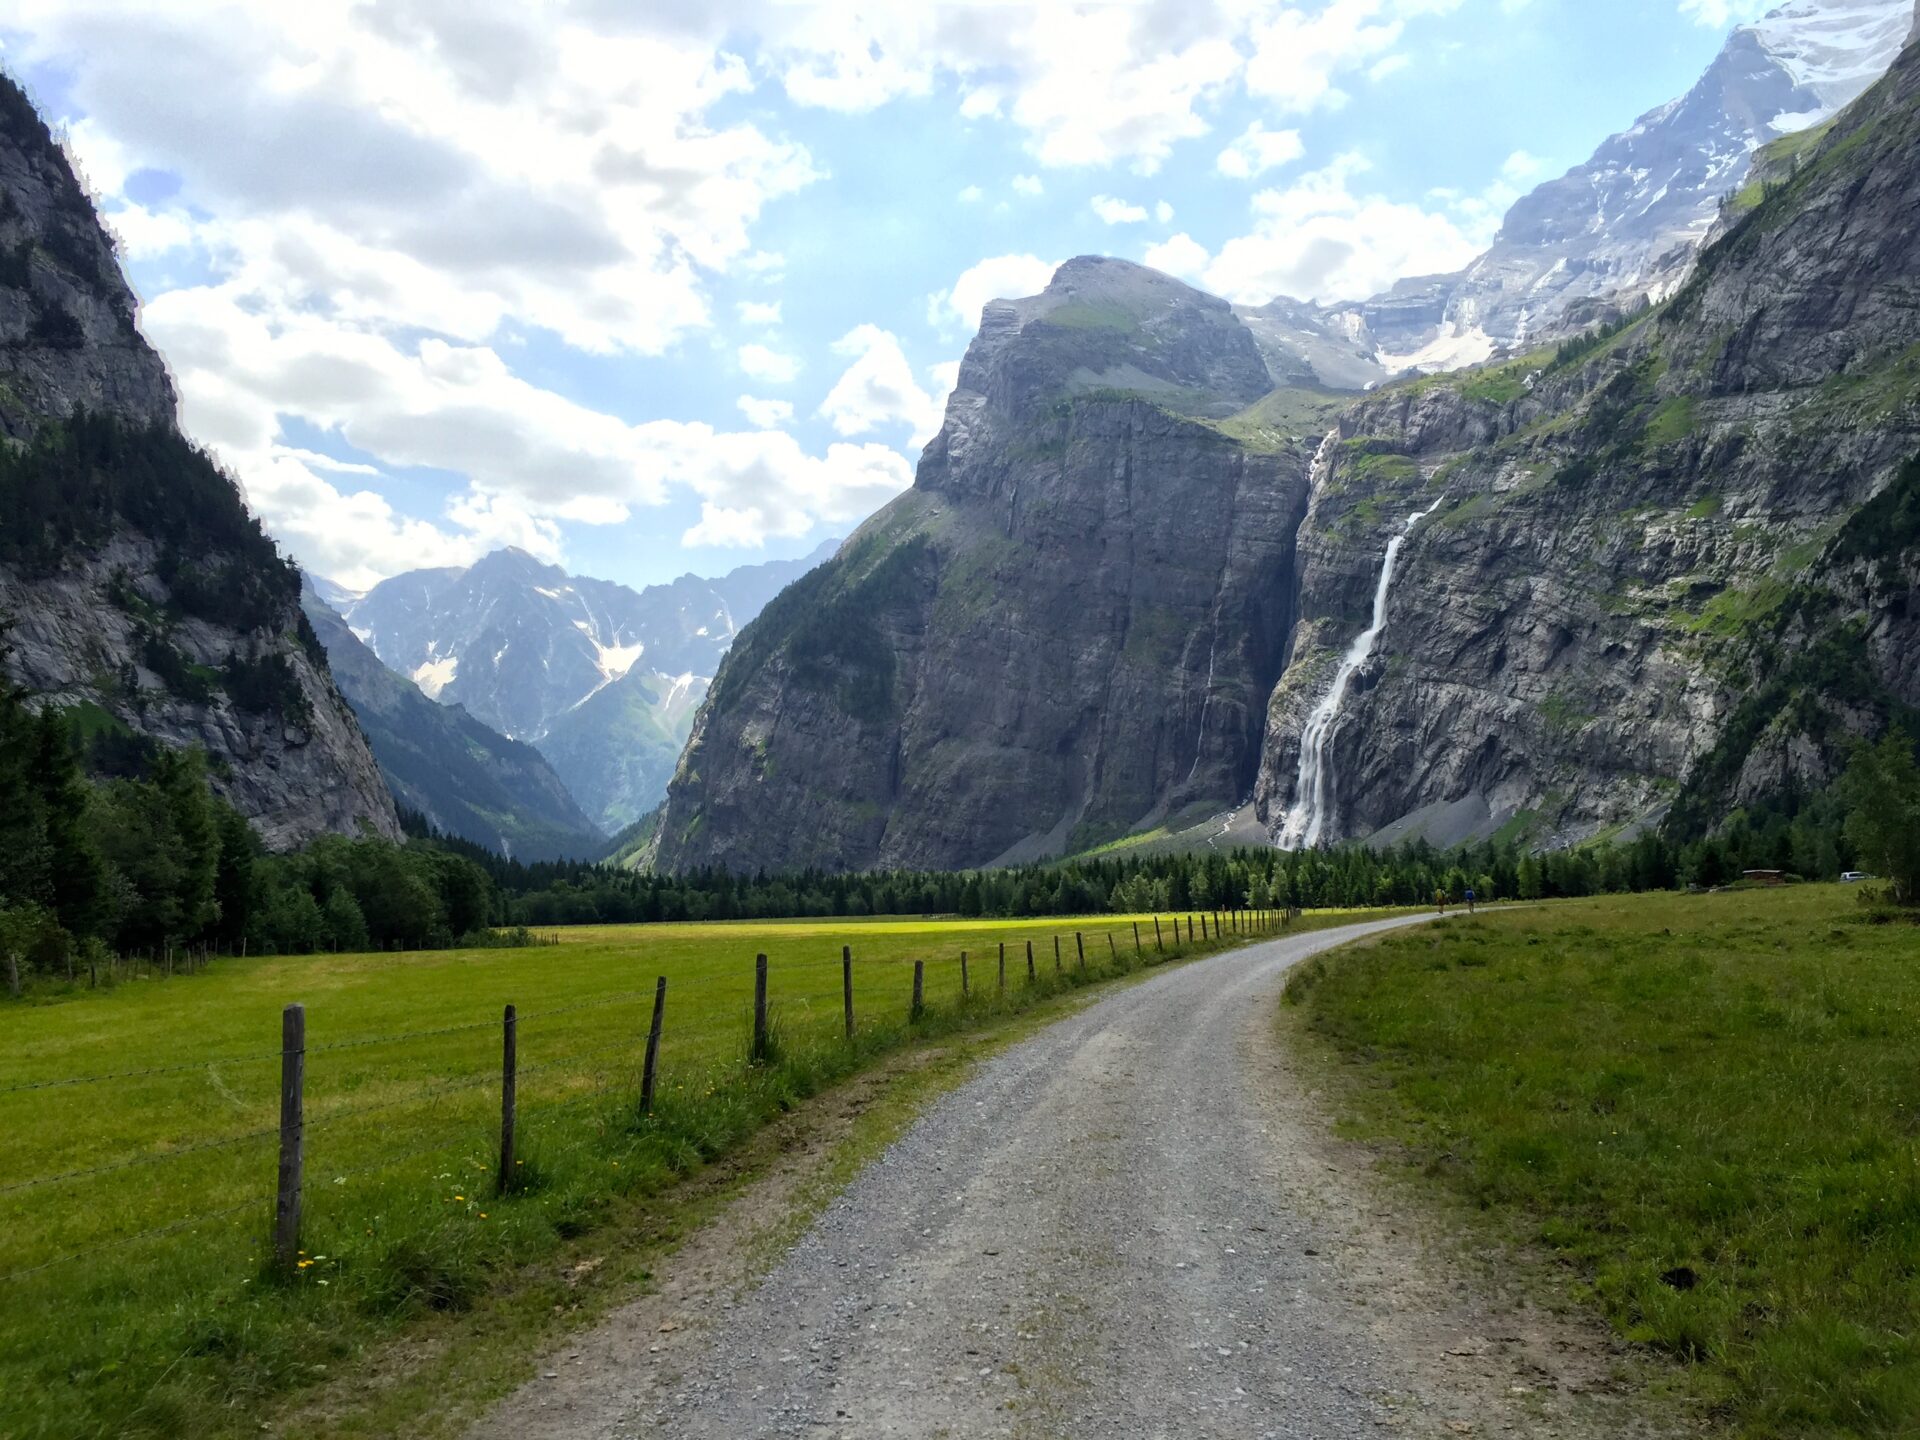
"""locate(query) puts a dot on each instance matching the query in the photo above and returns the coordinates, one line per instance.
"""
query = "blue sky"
(682, 291)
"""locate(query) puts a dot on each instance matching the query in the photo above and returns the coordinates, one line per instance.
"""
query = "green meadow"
(1707, 1105)
(171, 1134)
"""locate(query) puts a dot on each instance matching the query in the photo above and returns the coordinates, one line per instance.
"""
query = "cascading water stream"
(1313, 788)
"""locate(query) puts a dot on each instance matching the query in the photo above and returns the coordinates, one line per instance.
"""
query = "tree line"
(153, 862)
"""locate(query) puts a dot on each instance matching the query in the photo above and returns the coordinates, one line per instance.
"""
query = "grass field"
(185, 1331)
(1709, 1105)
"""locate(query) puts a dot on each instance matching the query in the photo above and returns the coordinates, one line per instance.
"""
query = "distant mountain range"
(1623, 227)
(600, 679)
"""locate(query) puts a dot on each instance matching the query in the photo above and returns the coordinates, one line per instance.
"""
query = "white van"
(1854, 877)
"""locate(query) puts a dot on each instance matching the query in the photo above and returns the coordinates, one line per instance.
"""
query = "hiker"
(1440, 899)
(1470, 900)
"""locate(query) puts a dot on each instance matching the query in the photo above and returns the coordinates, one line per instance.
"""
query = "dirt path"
(1132, 1225)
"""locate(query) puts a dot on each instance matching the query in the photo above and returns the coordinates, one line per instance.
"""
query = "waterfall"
(1313, 787)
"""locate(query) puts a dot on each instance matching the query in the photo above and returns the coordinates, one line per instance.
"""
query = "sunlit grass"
(1709, 1104)
(183, 1332)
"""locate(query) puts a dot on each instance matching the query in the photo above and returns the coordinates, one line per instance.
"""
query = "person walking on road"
(1470, 900)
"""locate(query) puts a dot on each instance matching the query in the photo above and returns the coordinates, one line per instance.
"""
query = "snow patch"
(436, 675)
(1452, 349)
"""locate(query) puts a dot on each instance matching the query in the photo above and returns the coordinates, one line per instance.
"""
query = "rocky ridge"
(1672, 569)
(136, 590)
(1065, 632)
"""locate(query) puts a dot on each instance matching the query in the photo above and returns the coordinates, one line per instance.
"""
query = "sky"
(683, 285)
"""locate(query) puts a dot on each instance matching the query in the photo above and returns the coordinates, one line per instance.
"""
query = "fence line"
(756, 1025)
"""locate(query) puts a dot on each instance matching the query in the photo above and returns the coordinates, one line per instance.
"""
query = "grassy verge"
(1708, 1105)
(185, 1331)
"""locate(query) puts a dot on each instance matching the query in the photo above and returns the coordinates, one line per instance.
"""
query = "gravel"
(1129, 1226)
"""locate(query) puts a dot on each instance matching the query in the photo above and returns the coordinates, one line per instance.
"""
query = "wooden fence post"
(652, 1069)
(1031, 976)
(1113, 950)
(1158, 947)
(293, 1080)
(13, 973)
(509, 1067)
(919, 990)
(1056, 954)
(759, 1009)
(1080, 949)
(1136, 937)
(846, 984)
(964, 991)
(1003, 967)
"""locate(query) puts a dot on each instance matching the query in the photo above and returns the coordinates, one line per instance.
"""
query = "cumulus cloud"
(765, 414)
(1001, 278)
(1182, 256)
(764, 363)
(1257, 150)
(1028, 185)
(1117, 212)
(758, 312)
(1321, 239)
(878, 389)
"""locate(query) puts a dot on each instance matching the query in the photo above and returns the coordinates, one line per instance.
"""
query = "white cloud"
(1521, 166)
(971, 195)
(1117, 212)
(758, 312)
(1028, 185)
(765, 414)
(1002, 277)
(878, 389)
(1721, 13)
(1163, 212)
(1319, 240)
(1299, 56)
(546, 173)
(945, 377)
(1257, 150)
(767, 364)
(1182, 256)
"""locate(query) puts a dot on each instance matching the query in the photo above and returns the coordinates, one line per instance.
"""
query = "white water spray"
(1313, 787)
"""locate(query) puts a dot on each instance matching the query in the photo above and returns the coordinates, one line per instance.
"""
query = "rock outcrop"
(1064, 633)
(135, 590)
(1673, 569)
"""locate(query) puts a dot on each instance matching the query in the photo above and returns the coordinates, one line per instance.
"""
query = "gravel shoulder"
(1135, 1223)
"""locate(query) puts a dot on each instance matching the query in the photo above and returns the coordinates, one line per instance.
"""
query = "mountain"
(1663, 573)
(602, 679)
(135, 589)
(1653, 575)
(470, 781)
(1619, 229)
(1065, 631)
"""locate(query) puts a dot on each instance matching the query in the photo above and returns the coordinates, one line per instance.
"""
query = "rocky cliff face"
(1624, 226)
(135, 589)
(1669, 571)
(1065, 632)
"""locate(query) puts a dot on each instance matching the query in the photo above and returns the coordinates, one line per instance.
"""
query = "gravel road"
(1123, 1227)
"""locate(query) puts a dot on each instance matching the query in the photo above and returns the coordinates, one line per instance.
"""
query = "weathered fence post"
(13, 973)
(964, 990)
(509, 1056)
(1080, 949)
(1113, 950)
(759, 1009)
(1136, 937)
(652, 1069)
(1031, 976)
(293, 1080)
(1056, 954)
(1003, 967)
(919, 989)
(846, 984)
(1158, 947)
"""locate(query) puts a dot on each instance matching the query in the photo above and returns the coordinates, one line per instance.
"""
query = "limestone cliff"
(1672, 569)
(1064, 633)
(135, 590)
